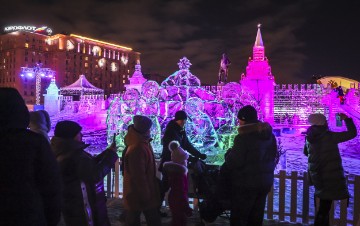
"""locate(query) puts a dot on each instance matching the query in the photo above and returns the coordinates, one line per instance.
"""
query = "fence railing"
(290, 199)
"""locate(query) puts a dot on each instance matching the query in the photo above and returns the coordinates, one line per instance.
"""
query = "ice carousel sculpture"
(211, 123)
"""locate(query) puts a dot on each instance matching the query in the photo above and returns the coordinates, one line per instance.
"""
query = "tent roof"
(80, 87)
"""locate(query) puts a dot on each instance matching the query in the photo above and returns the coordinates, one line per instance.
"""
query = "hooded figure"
(250, 164)
(84, 201)
(141, 187)
(30, 187)
(324, 162)
(40, 123)
(178, 196)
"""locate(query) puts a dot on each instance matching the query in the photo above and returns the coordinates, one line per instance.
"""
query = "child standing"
(177, 170)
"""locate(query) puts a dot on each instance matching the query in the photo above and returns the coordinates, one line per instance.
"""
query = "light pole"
(39, 73)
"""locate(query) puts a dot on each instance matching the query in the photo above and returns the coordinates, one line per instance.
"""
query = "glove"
(203, 156)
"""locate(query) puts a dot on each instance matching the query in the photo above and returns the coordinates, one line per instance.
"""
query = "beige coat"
(141, 188)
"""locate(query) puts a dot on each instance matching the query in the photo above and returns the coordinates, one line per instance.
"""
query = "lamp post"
(39, 72)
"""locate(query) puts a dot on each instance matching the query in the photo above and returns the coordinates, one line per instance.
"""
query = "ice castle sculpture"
(259, 82)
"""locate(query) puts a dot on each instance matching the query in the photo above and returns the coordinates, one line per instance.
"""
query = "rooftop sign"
(40, 30)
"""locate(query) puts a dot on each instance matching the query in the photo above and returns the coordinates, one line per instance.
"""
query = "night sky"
(301, 38)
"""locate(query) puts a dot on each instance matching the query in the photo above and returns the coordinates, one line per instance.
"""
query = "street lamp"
(39, 73)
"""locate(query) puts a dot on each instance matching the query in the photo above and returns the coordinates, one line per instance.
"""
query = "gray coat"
(324, 160)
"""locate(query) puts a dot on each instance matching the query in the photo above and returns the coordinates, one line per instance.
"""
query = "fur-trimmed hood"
(262, 129)
(172, 167)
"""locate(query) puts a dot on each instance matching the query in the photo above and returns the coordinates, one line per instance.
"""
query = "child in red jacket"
(177, 170)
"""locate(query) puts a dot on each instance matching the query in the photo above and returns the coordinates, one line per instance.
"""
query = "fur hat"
(248, 114)
(142, 123)
(178, 155)
(67, 129)
(317, 119)
(180, 115)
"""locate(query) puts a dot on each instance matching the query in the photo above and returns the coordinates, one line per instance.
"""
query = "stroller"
(205, 181)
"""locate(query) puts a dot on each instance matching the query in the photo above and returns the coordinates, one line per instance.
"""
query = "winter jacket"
(30, 185)
(141, 186)
(178, 195)
(174, 132)
(324, 160)
(77, 168)
(250, 163)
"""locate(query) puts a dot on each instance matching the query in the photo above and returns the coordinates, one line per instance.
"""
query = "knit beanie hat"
(248, 114)
(178, 155)
(317, 119)
(180, 115)
(67, 129)
(142, 123)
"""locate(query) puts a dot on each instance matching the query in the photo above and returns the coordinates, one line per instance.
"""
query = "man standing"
(250, 163)
(141, 187)
(175, 130)
(84, 201)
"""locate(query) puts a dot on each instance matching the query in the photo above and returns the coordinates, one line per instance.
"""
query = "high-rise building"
(105, 65)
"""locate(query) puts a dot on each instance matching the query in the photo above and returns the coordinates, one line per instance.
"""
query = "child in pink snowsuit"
(177, 170)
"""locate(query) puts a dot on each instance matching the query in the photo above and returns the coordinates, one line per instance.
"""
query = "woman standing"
(325, 164)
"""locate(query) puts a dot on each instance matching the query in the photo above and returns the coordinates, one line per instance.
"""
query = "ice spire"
(258, 41)
(258, 49)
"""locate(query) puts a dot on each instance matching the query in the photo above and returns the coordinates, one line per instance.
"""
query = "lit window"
(110, 85)
(123, 81)
(86, 65)
(26, 45)
(86, 58)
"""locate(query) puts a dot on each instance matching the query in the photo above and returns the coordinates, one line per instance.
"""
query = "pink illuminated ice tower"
(259, 81)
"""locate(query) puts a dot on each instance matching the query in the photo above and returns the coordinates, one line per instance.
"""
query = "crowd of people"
(42, 179)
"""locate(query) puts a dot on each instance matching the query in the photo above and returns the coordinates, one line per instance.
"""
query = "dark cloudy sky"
(302, 38)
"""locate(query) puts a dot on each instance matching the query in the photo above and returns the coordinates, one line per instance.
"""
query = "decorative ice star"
(184, 64)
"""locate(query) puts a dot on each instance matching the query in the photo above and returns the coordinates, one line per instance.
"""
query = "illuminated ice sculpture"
(211, 123)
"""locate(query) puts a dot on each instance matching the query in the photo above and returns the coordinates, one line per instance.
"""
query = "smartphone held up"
(338, 120)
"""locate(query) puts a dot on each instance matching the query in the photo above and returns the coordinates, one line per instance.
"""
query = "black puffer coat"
(174, 132)
(78, 166)
(324, 160)
(251, 161)
(30, 182)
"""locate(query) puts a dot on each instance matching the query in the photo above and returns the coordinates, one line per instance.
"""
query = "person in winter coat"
(141, 186)
(30, 184)
(325, 164)
(84, 201)
(175, 130)
(40, 123)
(250, 163)
(177, 170)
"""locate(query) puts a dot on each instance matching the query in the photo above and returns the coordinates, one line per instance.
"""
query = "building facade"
(105, 65)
